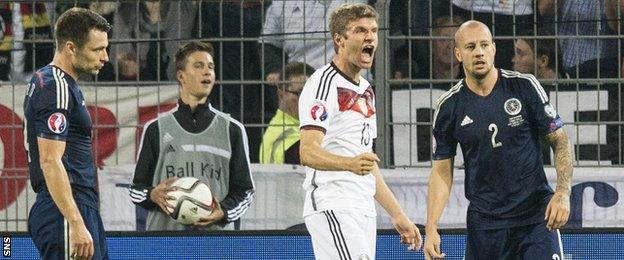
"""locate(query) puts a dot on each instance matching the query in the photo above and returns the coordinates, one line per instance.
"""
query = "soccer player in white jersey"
(338, 126)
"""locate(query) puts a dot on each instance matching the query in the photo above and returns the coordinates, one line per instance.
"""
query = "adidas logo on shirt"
(467, 120)
(170, 149)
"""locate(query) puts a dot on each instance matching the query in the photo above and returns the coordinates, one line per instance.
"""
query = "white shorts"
(342, 235)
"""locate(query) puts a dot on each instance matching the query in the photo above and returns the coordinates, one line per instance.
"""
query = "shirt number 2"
(494, 129)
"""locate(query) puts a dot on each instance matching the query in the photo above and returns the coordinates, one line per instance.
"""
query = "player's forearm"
(60, 189)
(384, 196)
(439, 190)
(316, 157)
(563, 160)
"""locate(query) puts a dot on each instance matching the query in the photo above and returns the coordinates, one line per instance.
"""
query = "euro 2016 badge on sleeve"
(318, 112)
(57, 123)
(550, 111)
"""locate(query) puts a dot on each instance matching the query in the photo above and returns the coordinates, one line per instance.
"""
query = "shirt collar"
(200, 109)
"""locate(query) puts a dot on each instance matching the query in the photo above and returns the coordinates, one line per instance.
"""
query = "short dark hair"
(75, 25)
(296, 68)
(185, 50)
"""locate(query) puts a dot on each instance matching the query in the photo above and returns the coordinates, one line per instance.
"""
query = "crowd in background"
(563, 39)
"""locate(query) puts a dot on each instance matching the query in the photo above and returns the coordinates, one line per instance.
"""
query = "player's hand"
(80, 241)
(410, 235)
(557, 211)
(160, 197)
(432, 244)
(363, 164)
(216, 215)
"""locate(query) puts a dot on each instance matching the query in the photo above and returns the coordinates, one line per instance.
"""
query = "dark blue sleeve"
(542, 114)
(443, 143)
(50, 107)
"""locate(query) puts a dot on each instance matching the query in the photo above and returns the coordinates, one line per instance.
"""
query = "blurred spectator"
(412, 18)
(505, 18)
(297, 31)
(583, 18)
(148, 25)
(280, 143)
(538, 56)
(106, 9)
(238, 60)
(24, 27)
(444, 63)
(159, 23)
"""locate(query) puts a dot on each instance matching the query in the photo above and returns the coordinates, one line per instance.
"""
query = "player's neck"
(347, 68)
(192, 101)
(483, 86)
(62, 61)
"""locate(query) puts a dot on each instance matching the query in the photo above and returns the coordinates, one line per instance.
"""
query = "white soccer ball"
(192, 200)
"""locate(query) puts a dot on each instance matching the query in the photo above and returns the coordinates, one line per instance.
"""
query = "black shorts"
(525, 242)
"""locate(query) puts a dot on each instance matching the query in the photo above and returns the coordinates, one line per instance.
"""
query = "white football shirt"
(345, 111)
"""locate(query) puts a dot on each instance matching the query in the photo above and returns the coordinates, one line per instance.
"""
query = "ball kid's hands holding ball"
(216, 215)
(160, 197)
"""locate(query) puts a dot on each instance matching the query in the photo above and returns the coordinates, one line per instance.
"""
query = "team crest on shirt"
(318, 112)
(57, 123)
(550, 111)
(513, 106)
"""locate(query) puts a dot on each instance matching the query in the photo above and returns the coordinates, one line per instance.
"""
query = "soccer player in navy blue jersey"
(64, 220)
(497, 117)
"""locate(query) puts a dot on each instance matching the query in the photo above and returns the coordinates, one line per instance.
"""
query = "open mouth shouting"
(367, 53)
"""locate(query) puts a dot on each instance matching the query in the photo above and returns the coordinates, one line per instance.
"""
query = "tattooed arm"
(563, 159)
(558, 209)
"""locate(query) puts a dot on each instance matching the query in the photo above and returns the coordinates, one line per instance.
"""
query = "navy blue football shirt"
(55, 109)
(499, 135)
